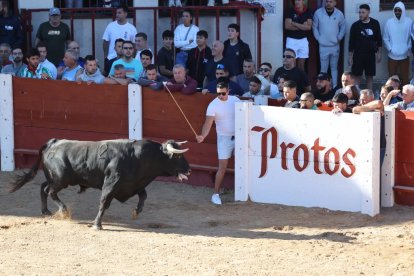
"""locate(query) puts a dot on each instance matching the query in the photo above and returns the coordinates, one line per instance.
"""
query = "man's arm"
(190, 88)
(371, 106)
(205, 129)
(306, 26)
(391, 95)
(164, 71)
(105, 47)
(315, 25)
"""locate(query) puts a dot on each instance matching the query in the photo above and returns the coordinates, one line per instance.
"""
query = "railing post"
(388, 165)
(135, 111)
(6, 123)
(241, 151)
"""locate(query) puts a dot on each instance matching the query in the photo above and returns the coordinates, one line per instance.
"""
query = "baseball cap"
(340, 98)
(323, 76)
(54, 11)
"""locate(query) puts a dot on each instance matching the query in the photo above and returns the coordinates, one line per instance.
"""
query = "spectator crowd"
(185, 63)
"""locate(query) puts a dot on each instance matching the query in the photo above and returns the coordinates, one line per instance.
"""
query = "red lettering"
(348, 162)
(305, 151)
(331, 156)
(284, 149)
(273, 136)
(316, 148)
(327, 161)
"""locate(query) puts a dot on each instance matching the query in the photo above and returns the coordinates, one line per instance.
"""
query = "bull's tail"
(21, 180)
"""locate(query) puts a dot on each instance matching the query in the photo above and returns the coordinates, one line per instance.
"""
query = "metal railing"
(216, 12)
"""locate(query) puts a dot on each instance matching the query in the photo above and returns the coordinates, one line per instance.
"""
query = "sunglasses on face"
(264, 70)
(397, 10)
(288, 56)
(222, 93)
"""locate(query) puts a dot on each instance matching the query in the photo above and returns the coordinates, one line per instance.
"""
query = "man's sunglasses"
(222, 93)
(264, 70)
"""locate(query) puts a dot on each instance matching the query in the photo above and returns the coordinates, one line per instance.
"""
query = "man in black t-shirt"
(365, 42)
(292, 72)
(165, 57)
(198, 58)
(323, 91)
(298, 25)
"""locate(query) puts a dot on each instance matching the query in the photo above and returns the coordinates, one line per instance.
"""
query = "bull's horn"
(171, 149)
(180, 143)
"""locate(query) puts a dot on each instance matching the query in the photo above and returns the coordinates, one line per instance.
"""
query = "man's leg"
(405, 70)
(220, 174)
(392, 67)
(324, 58)
(333, 62)
(370, 80)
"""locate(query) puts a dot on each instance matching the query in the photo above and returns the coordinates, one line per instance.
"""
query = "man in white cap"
(55, 34)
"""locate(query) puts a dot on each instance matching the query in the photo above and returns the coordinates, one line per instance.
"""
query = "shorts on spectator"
(225, 146)
(300, 46)
(363, 62)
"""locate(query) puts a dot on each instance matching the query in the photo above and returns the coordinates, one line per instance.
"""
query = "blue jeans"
(181, 58)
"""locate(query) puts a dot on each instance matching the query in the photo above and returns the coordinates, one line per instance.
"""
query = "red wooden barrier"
(45, 109)
(404, 158)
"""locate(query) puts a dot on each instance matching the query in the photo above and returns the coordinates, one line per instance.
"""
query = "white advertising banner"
(307, 158)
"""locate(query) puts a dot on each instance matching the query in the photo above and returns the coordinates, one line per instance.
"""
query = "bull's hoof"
(135, 214)
(97, 227)
(46, 212)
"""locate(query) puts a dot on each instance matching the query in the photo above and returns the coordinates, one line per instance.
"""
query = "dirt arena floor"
(181, 233)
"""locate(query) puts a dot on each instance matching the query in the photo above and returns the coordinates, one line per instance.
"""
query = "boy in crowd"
(254, 88)
(152, 79)
(198, 58)
(118, 51)
(141, 44)
(34, 69)
(236, 50)
(90, 73)
(289, 92)
(221, 71)
(165, 57)
(41, 47)
(146, 59)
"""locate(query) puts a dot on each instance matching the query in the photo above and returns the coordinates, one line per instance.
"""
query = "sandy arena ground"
(181, 233)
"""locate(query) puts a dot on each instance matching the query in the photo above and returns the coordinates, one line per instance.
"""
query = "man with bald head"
(216, 60)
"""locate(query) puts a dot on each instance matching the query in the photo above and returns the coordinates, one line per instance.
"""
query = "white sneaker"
(215, 199)
(171, 3)
(178, 3)
(211, 3)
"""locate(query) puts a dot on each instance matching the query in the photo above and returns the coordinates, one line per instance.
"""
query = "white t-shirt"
(223, 112)
(180, 33)
(114, 31)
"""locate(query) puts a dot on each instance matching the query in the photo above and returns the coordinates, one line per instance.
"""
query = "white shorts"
(300, 46)
(225, 146)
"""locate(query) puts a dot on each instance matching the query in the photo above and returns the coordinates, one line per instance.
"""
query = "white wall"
(38, 4)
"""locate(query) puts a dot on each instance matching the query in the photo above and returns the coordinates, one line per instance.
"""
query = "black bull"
(120, 168)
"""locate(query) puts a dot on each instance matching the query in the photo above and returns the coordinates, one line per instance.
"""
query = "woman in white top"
(185, 36)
